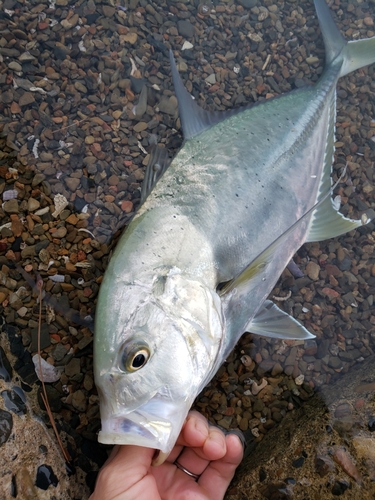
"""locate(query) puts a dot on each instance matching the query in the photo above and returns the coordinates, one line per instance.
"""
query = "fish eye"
(135, 358)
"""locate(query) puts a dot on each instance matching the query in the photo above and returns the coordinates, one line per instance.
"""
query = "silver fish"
(193, 270)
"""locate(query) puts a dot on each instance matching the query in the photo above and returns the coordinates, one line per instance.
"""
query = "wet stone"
(248, 4)
(26, 99)
(298, 462)
(345, 264)
(323, 465)
(79, 400)
(335, 362)
(54, 399)
(13, 402)
(45, 477)
(45, 340)
(27, 373)
(340, 487)
(5, 367)
(73, 367)
(371, 424)
(185, 28)
(6, 425)
(275, 491)
(11, 207)
(312, 270)
(59, 352)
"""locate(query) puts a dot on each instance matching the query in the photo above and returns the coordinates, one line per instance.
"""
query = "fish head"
(154, 351)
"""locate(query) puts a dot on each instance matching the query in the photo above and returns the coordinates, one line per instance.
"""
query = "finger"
(196, 460)
(123, 471)
(112, 455)
(194, 433)
(217, 476)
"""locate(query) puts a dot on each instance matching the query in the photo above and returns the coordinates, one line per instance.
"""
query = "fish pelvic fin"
(355, 54)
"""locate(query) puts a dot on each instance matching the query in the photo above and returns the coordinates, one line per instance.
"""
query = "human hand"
(202, 449)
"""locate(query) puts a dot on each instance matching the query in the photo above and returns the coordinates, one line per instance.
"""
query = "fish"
(216, 227)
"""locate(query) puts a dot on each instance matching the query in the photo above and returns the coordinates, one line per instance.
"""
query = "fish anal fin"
(326, 222)
(270, 321)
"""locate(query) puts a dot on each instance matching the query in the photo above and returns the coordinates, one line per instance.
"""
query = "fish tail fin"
(355, 54)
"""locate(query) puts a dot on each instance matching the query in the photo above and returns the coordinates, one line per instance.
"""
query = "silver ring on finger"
(190, 474)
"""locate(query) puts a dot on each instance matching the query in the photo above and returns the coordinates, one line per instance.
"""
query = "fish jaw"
(155, 424)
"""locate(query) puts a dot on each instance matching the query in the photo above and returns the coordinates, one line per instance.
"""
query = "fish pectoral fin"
(157, 164)
(270, 321)
(195, 119)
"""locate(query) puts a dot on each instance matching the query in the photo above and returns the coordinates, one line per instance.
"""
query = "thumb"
(125, 467)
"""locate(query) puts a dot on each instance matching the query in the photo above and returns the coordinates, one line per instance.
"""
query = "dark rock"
(262, 475)
(94, 451)
(5, 367)
(27, 373)
(323, 348)
(53, 397)
(335, 362)
(13, 402)
(349, 334)
(340, 487)
(6, 426)
(44, 338)
(298, 463)
(137, 84)
(323, 465)
(248, 4)
(185, 28)
(371, 424)
(345, 264)
(13, 487)
(276, 491)
(45, 477)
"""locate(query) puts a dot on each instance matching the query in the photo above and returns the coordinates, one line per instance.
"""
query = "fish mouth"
(152, 425)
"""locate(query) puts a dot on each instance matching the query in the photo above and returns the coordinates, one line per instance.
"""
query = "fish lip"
(120, 430)
(157, 430)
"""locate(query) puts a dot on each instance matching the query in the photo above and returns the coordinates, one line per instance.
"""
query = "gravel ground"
(85, 89)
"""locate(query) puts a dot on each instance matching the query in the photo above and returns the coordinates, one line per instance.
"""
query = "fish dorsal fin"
(157, 164)
(270, 321)
(194, 119)
(326, 222)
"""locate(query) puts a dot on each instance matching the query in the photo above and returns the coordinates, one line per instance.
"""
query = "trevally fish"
(193, 270)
